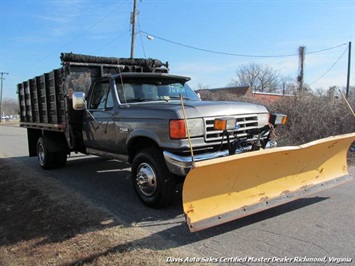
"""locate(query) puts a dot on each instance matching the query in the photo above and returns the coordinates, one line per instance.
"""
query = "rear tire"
(47, 159)
(60, 159)
(152, 181)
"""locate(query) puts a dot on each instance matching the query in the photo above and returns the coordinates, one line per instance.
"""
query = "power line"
(109, 42)
(87, 29)
(140, 36)
(326, 49)
(238, 55)
(329, 68)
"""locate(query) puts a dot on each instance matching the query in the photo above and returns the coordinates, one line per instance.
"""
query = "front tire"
(152, 181)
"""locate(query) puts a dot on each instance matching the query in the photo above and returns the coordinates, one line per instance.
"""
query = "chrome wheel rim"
(41, 154)
(146, 179)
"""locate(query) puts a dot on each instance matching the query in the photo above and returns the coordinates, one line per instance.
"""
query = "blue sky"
(33, 33)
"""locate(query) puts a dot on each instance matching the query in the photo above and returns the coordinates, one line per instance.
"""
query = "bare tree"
(287, 86)
(201, 86)
(261, 78)
(10, 107)
(331, 93)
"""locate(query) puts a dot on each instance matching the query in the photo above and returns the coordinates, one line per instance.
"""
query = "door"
(99, 126)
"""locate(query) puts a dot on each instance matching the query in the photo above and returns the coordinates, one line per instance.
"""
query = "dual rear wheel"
(50, 159)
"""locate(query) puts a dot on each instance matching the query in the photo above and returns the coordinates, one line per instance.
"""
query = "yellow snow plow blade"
(224, 189)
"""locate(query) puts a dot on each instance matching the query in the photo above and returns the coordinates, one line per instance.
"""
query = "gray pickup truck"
(133, 110)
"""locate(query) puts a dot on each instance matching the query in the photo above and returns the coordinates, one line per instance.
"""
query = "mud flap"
(224, 189)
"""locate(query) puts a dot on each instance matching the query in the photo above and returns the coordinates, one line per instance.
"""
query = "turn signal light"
(177, 129)
(224, 123)
(278, 119)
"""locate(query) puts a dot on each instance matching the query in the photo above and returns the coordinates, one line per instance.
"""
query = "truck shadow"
(108, 183)
(181, 236)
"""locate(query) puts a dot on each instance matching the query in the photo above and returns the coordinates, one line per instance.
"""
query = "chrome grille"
(244, 123)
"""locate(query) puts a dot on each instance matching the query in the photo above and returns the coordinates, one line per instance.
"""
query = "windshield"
(139, 90)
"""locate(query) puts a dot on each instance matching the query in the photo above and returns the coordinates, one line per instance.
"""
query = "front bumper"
(181, 165)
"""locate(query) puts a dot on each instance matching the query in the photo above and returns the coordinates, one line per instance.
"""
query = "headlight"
(263, 119)
(196, 127)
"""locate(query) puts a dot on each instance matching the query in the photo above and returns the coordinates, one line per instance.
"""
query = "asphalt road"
(308, 229)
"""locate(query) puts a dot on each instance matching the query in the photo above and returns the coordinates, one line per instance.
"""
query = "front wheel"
(152, 181)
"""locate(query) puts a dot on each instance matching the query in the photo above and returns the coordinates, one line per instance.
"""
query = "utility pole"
(301, 52)
(133, 22)
(348, 76)
(2, 79)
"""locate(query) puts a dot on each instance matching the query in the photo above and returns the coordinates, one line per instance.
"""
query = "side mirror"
(78, 100)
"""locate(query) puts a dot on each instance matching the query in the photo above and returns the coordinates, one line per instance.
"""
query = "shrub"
(309, 117)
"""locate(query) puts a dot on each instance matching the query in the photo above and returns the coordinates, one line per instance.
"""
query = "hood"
(194, 109)
(221, 108)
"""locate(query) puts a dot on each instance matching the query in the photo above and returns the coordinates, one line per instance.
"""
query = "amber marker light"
(278, 119)
(177, 129)
(224, 123)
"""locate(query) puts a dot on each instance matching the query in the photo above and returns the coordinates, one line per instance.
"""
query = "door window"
(102, 97)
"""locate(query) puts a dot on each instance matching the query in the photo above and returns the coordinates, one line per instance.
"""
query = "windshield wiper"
(132, 100)
(178, 97)
(143, 100)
